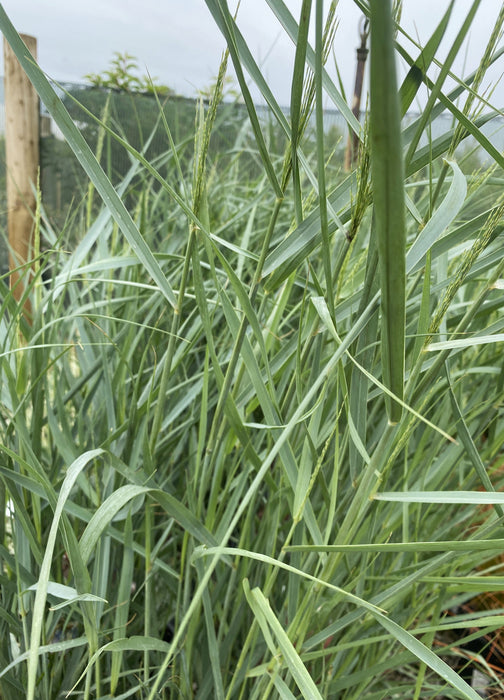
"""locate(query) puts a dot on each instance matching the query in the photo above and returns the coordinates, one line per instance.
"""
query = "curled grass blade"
(440, 220)
(105, 514)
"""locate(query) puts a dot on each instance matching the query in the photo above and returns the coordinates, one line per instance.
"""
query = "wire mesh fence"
(147, 125)
(136, 118)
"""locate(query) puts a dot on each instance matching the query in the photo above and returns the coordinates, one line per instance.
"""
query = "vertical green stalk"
(99, 149)
(217, 424)
(388, 192)
(201, 149)
(148, 587)
(319, 118)
(296, 99)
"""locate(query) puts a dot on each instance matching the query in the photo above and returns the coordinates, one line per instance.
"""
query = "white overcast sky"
(178, 42)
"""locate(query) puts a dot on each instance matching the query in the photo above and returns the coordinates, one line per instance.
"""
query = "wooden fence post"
(22, 159)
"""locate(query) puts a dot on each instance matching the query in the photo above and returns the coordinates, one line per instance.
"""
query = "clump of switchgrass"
(206, 496)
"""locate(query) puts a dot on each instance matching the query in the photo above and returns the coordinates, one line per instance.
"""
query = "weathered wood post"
(22, 159)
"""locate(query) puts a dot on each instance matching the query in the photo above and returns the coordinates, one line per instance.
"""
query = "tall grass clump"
(252, 433)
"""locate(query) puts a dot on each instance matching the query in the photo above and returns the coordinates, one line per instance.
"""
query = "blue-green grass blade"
(427, 656)
(266, 618)
(53, 648)
(291, 252)
(40, 597)
(440, 145)
(388, 195)
(123, 600)
(240, 55)
(213, 646)
(418, 70)
(480, 498)
(271, 561)
(133, 643)
(390, 547)
(105, 514)
(468, 442)
(436, 87)
(290, 25)
(440, 220)
(296, 99)
(319, 122)
(321, 308)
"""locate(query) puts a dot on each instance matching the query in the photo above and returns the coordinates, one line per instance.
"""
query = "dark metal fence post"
(352, 148)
